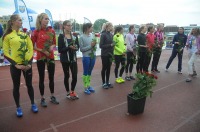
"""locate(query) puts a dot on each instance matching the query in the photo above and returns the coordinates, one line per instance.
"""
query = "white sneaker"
(179, 72)
(166, 69)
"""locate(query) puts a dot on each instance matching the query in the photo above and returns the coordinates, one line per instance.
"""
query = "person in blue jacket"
(179, 42)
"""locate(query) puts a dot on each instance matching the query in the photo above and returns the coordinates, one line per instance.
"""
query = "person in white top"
(131, 52)
(192, 43)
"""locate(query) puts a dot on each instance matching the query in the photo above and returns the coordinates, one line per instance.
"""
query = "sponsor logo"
(22, 9)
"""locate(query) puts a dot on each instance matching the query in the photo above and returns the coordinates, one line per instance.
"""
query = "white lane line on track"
(83, 117)
(185, 121)
(101, 111)
(53, 127)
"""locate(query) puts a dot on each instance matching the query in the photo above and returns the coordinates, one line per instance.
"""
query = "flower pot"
(135, 106)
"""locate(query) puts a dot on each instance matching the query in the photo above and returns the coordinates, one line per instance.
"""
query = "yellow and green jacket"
(11, 45)
(119, 47)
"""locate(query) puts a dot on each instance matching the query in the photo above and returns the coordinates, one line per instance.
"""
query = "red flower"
(155, 77)
(97, 35)
(24, 30)
(74, 34)
(50, 27)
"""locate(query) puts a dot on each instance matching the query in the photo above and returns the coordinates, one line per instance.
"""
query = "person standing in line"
(119, 53)
(44, 40)
(13, 48)
(159, 40)
(131, 52)
(106, 45)
(193, 45)
(142, 51)
(150, 43)
(88, 49)
(67, 47)
(179, 42)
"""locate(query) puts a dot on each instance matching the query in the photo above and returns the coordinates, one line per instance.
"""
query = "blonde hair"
(10, 23)
(107, 25)
(39, 20)
(103, 28)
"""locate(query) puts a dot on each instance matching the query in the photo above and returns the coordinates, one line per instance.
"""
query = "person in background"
(119, 53)
(1, 30)
(193, 45)
(150, 43)
(179, 42)
(88, 48)
(67, 47)
(131, 52)
(106, 45)
(44, 40)
(11, 45)
(142, 51)
(159, 40)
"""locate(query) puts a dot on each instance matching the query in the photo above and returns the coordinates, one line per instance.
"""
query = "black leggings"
(106, 65)
(141, 62)
(16, 75)
(156, 57)
(74, 71)
(119, 59)
(129, 65)
(41, 71)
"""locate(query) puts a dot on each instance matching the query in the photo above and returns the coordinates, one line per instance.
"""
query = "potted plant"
(142, 88)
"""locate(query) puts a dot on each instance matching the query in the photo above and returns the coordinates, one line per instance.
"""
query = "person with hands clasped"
(67, 47)
(142, 50)
(44, 40)
(106, 45)
(119, 53)
(179, 42)
(88, 48)
(18, 50)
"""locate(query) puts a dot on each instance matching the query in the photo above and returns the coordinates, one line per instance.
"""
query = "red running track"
(174, 107)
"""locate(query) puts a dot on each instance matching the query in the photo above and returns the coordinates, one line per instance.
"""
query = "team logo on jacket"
(22, 9)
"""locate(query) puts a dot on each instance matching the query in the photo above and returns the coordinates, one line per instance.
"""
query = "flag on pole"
(20, 7)
(86, 20)
(50, 17)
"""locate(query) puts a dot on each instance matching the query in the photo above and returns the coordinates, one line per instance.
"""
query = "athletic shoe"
(91, 89)
(179, 72)
(105, 86)
(188, 80)
(166, 69)
(109, 85)
(127, 78)
(34, 108)
(157, 71)
(53, 100)
(68, 96)
(19, 112)
(43, 103)
(73, 95)
(132, 78)
(122, 80)
(118, 80)
(87, 91)
(194, 74)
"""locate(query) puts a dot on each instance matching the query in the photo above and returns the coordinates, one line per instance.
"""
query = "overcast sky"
(170, 12)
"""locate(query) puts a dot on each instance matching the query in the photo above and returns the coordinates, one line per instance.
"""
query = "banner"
(20, 7)
(50, 17)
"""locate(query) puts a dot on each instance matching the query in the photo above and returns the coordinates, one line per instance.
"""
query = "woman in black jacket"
(67, 47)
(106, 45)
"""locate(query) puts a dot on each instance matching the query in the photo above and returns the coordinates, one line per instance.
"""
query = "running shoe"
(19, 112)
(53, 100)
